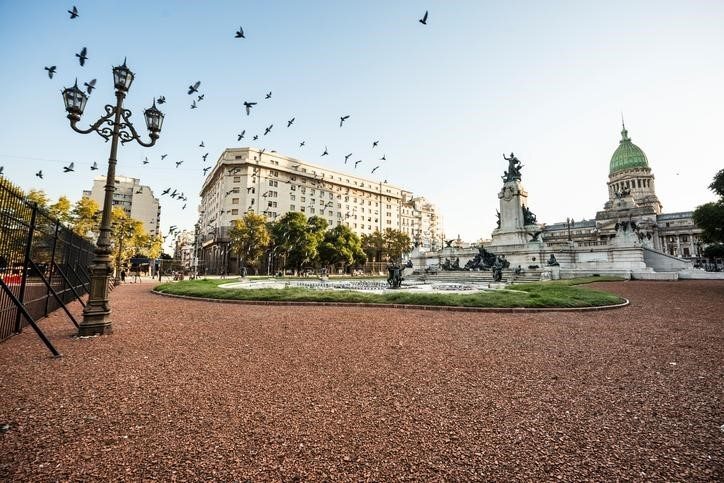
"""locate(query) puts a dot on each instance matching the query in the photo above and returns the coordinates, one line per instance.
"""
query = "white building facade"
(268, 183)
(137, 200)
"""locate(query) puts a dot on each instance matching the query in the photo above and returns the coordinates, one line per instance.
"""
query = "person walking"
(123, 275)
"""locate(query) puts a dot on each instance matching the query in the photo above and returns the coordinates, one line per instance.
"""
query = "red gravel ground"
(189, 390)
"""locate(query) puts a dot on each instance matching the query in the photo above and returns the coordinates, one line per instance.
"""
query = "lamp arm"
(125, 136)
(105, 132)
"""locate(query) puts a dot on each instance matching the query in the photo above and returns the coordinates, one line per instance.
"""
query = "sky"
(546, 80)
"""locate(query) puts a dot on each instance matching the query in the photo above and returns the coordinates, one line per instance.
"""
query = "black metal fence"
(43, 264)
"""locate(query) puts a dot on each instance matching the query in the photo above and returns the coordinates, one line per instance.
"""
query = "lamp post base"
(97, 312)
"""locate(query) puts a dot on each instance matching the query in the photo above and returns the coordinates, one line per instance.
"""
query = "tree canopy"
(249, 238)
(710, 216)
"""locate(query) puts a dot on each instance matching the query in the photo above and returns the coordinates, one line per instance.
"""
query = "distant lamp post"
(115, 125)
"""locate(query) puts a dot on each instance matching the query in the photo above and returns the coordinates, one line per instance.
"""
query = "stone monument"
(515, 220)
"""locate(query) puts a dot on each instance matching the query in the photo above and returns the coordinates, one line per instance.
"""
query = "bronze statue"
(514, 167)
(497, 270)
(552, 262)
(497, 213)
(394, 278)
(529, 217)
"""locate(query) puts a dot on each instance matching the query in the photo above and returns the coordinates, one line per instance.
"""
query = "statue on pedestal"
(514, 167)
(529, 217)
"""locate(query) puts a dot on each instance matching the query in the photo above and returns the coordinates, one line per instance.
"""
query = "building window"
(237, 179)
(235, 211)
(234, 201)
(292, 197)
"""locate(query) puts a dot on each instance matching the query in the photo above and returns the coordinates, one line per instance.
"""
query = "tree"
(297, 238)
(85, 216)
(39, 197)
(341, 245)
(710, 216)
(373, 246)
(397, 243)
(249, 238)
(60, 210)
(125, 235)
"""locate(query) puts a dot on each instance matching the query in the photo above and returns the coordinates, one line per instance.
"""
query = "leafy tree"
(39, 197)
(125, 235)
(297, 238)
(373, 246)
(710, 216)
(61, 210)
(714, 251)
(397, 243)
(341, 245)
(85, 216)
(249, 238)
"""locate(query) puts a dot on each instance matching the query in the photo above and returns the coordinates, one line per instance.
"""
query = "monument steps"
(528, 276)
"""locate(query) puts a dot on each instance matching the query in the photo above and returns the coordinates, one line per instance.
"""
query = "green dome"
(627, 155)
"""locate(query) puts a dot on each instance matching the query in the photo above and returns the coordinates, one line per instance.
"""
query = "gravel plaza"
(190, 390)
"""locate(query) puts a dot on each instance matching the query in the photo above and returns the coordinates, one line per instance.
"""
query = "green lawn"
(560, 293)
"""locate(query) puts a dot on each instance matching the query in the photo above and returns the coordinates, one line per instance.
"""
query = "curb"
(399, 306)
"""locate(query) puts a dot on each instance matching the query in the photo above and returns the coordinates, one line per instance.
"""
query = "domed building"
(633, 213)
(629, 171)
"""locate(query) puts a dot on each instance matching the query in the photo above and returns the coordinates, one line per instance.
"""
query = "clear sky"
(547, 80)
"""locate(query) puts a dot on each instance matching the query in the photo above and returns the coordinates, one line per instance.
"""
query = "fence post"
(26, 263)
(52, 264)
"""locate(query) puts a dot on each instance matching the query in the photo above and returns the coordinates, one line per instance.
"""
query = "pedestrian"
(137, 275)
(123, 275)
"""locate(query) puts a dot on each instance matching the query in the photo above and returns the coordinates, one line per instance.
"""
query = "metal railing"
(43, 264)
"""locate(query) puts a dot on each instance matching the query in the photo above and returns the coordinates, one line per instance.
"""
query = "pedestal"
(96, 314)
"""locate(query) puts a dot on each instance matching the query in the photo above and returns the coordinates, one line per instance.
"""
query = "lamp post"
(115, 125)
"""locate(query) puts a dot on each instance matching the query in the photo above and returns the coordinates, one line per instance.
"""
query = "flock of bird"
(194, 90)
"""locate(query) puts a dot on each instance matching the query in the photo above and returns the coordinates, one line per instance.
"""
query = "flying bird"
(202, 145)
(166, 191)
(73, 13)
(161, 99)
(268, 95)
(240, 136)
(94, 166)
(194, 87)
(266, 131)
(145, 160)
(173, 195)
(239, 34)
(184, 206)
(248, 106)
(255, 137)
(206, 169)
(51, 71)
(291, 121)
(325, 153)
(193, 105)
(347, 157)
(356, 163)
(423, 20)
(178, 163)
(200, 97)
(342, 119)
(205, 156)
(163, 156)
(383, 158)
(82, 57)
(301, 145)
(375, 169)
(374, 144)
(69, 168)
(39, 174)
(90, 85)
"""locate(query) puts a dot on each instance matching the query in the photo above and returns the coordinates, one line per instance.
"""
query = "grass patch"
(559, 293)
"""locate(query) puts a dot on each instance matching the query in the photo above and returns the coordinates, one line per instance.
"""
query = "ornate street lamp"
(115, 125)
